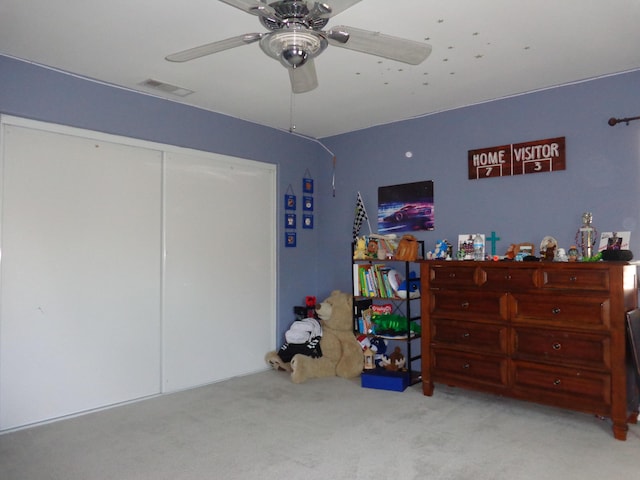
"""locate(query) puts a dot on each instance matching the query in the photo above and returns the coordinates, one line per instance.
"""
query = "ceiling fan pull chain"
(292, 126)
(333, 177)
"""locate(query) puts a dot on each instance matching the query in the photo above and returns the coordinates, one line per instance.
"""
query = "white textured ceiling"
(482, 50)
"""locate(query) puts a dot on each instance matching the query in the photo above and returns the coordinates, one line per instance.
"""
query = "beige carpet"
(263, 427)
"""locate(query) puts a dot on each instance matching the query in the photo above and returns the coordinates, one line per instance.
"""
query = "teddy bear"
(342, 355)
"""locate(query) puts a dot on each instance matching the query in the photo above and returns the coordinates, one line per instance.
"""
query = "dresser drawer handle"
(466, 335)
(507, 277)
(464, 305)
(555, 311)
(573, 278)
(556, 346)
(557, 381)
(466, 366)
(452, 275)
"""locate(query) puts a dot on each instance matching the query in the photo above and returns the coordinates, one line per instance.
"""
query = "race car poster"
(406, 207)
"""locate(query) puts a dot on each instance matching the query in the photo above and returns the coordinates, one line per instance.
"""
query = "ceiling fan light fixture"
(294, 46)
(294, 56)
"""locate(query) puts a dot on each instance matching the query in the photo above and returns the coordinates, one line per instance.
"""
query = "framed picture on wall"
(406, 207)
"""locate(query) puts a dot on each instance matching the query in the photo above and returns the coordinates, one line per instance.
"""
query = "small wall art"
(290, 239)
(307, 182)
(307, 204)
(307, 220)
(289, 199)
(289, 220)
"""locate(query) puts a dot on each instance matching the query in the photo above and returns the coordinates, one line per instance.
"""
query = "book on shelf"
(362, 311)
(374, 280)
(367, 324)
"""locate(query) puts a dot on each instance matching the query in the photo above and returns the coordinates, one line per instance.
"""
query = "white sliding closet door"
(219, 300)
(81, 269)
(127, 269)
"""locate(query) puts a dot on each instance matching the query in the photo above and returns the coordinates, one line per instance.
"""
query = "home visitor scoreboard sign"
(517, 159)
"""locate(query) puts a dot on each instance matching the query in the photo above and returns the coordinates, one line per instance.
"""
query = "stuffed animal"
(375, 345)
(414, 287)
(341, 353)
(303, 337)
(395, 361)
(360, 252)
(441, 251)
(379, 347)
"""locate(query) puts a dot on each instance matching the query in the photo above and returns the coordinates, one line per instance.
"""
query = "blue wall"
(601, 176)
(30, 91)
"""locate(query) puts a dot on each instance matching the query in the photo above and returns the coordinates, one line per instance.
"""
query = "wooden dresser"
(552, 333)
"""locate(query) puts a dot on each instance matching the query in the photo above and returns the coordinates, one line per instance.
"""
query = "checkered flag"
(360, 216)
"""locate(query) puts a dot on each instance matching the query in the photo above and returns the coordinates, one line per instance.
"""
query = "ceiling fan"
(296, 38)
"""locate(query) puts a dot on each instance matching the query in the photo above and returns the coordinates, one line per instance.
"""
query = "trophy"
(586, 235)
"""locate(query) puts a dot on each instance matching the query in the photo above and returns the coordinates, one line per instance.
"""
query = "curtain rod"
(613, 121)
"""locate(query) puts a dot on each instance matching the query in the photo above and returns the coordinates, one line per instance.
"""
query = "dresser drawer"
(579, 311)
(507, 279)
(576, 279)
(490, 338)
(562, 348)
(451, 366)
(469, 304)
(562, 386)
(451, 274)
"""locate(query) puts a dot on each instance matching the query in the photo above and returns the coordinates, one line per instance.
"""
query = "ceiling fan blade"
(254, 7)
(379, 44)
(303, 78)
(214, 47)
(331, 8)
